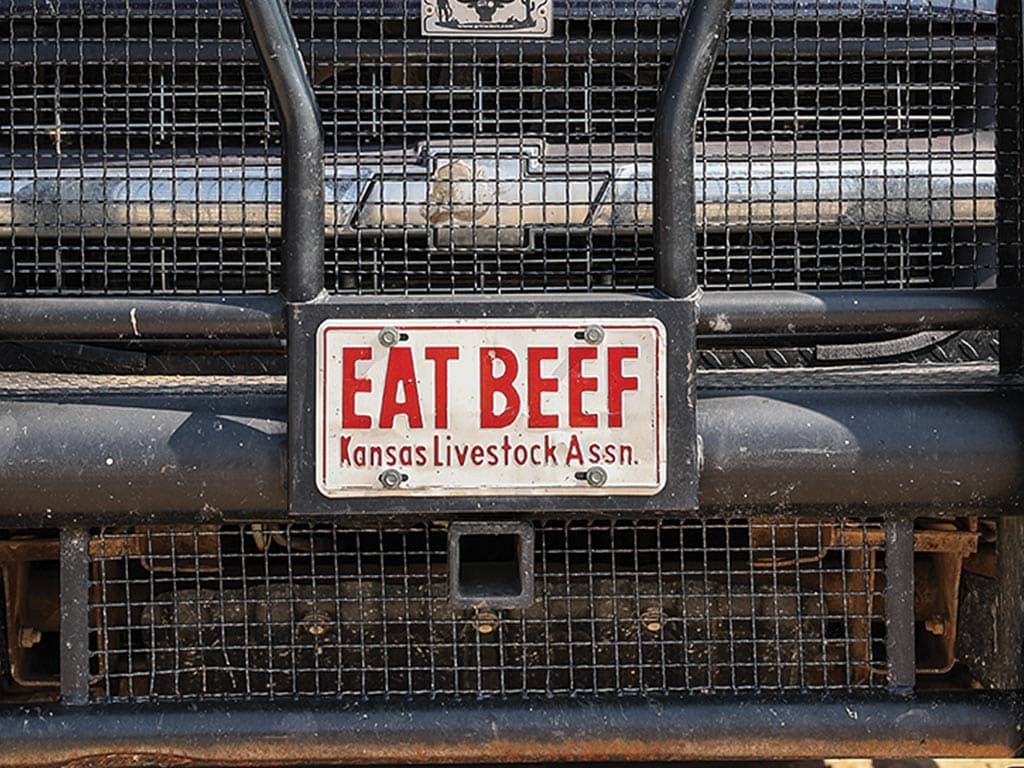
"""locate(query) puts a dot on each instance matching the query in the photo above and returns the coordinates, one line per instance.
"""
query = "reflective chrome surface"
(500, 195)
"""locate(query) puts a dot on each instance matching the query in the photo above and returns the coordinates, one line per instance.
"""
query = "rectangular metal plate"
(478, 407)
(486, 18)
(451, 451)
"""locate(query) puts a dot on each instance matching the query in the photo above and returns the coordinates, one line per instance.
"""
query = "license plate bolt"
(391, 478)
(594, 334)
(596, 477)
(388, 337)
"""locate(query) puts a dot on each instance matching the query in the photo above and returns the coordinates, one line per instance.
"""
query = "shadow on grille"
(630, 607)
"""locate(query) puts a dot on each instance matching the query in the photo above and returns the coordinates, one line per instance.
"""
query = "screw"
(652, 620)
(391, 478)
(317, 623)
(29, 637)
(594, 334)
(389, 336)
(596, 477)
(486, 622)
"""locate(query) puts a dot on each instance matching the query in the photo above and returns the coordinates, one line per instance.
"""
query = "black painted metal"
(1008, 659)
(463, 592)
(732, 314)
(186, 454)
(899, 603)
(302, 143)
(256, 317)
(74, 616)
(869, 451)
(972, 724)
(823, 312)
(675, 202)
(1009, 142)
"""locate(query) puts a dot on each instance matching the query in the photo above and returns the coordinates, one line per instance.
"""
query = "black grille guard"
(172, 453)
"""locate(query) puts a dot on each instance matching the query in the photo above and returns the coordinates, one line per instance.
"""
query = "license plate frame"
(677, 485)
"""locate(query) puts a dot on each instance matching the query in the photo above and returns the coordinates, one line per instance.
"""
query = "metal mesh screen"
(842, 144)
(626, 608)
(137, 155)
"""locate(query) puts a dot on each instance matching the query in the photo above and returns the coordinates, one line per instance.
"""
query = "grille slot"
(176, 82)
(627, 608)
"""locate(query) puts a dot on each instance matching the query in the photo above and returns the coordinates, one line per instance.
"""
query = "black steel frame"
(675, 201)
(302, 142)
(978, 432)
(980, 724)
(223, 459)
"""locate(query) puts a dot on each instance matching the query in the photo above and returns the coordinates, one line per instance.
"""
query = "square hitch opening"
(490, 565)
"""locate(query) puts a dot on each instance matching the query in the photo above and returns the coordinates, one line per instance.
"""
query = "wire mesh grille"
(626, 608)
(840, 145)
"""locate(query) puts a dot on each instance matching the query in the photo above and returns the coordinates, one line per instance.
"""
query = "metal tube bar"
(215, 451)
(721, 313)
(302, 155)
(857, 311)
(675, 204)
(67, 318)
(1008, 661)
(899, 604)
(74, 616)
(298, 733)
(899, 183)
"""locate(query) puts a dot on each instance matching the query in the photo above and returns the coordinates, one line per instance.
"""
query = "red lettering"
(351, 385)
(578, 385)
(400, 373)
(537, 385)
(440, 357)
(490, 385)
(618, 384)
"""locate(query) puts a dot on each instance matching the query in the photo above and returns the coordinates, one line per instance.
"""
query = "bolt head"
(486, 622)
(388, 337)
(594, 334)
(596, 477)
(29, 637)
(652, 620)
(390, 478)
(317, 624)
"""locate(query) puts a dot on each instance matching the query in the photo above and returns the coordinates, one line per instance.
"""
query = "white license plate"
(491, 407)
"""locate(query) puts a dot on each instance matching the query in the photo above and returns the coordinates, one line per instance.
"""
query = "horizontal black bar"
(141, 318)
(184, 52)
(616, 729)
(858, 311)
(128, 452)
(722, 313)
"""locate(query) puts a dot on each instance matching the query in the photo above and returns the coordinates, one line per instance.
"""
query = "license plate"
(502, 407)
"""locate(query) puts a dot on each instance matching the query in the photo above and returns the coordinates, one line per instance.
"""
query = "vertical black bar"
(1008, 658)
(899, 603)
(1009, 166)
(302, 155)
(675, 201)
(74, 616)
